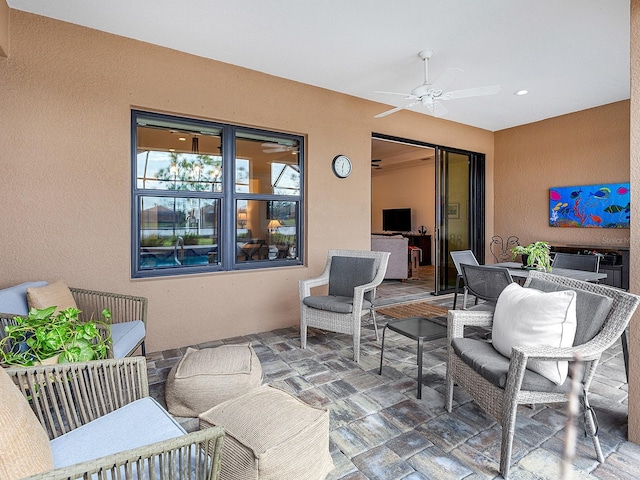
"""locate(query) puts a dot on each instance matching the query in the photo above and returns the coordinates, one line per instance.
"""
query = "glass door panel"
(452, 213)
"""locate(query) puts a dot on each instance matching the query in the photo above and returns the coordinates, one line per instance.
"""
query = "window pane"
(266, 164)
(266, 230)
(178, 158)
(178, 232)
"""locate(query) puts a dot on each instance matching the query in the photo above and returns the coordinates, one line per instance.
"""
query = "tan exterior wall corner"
(4, 28)
(634, 329)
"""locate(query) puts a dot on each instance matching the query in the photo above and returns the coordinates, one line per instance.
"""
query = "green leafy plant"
(537, 255)
(43, 334)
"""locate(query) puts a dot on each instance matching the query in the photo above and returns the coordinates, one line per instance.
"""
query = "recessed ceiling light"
(182, 139)
(521, 92)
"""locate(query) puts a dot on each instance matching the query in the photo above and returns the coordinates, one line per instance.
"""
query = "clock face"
(341, 166)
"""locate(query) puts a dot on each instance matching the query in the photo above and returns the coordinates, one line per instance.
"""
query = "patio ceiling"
(570, 55)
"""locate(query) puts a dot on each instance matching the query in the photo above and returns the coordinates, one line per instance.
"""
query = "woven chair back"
(587, 263)
(486, 282)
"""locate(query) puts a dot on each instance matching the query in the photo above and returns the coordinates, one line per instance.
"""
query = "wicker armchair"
(74, 395)
(129, 314)
(352, 282)
(501, 399)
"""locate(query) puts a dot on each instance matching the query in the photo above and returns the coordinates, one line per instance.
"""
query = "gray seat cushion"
(136, 424)
(488, 362)
(333, 303)
(591, 309)
(125, 336)
(349, 272)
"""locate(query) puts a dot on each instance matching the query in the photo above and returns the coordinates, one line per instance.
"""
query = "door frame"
(477, 189)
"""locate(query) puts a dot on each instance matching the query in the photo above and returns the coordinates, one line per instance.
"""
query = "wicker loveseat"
(96, 420)
(128, 321)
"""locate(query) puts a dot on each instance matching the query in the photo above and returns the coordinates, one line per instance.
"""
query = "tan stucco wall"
(4, 29)
(65, 134)
(583, 148)
(634, 329)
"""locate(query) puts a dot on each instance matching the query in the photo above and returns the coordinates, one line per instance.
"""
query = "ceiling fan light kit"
(430, 95)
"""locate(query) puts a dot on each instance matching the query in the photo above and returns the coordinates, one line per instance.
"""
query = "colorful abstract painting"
(590, 206)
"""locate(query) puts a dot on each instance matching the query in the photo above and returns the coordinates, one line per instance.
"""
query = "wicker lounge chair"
(128, 321)
(499, 384)
(100, 421)
(352, 277)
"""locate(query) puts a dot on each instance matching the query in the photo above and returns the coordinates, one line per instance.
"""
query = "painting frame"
(605, 205)
(453, 210)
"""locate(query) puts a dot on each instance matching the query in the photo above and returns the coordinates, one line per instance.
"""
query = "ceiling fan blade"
(391, 93)
(446, 78)
(436, 109)
(470, 92)
(394, 110)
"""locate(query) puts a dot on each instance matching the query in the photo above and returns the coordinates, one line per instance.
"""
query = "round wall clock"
(341, 166)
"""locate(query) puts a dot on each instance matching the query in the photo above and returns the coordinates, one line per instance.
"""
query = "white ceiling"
(570, 54)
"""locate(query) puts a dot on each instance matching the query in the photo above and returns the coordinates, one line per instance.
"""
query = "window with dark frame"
(213, 197)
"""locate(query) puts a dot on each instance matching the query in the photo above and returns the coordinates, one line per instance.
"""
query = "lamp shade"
(273, 224)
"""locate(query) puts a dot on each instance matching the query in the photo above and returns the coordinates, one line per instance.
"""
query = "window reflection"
(268, 165)
(178, 232)
(266, 230)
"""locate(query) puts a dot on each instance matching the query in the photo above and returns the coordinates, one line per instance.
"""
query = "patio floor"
(379, 430)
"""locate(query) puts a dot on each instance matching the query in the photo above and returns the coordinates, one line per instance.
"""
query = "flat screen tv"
(396, 220)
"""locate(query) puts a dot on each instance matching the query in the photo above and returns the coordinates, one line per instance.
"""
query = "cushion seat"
(204, 378)
(125, 336)
(118, 431)
(334, 303)
(493, 366)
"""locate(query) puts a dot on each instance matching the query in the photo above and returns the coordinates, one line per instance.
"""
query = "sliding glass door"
(459, 211)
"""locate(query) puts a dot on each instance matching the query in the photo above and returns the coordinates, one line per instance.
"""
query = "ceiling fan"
(431, 94)
(273, 147)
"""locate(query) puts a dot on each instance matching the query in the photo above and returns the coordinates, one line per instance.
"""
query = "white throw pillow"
(526, 317)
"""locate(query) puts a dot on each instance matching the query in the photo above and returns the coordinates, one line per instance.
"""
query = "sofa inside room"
(398, 246)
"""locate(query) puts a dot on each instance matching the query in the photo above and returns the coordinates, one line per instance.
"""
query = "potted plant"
(535, 255)
(44, 335)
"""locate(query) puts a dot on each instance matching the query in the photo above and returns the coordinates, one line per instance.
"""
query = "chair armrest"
(305, 286)
(458, 319)
(585, 352)
(180, 453)
(68, 395)
(123, 308)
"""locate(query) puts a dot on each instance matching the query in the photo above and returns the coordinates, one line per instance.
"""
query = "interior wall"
(583, 148)
(412, 187)
(65, 131)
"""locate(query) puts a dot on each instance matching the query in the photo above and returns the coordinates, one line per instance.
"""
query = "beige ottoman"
(204, 378)
(271, 435)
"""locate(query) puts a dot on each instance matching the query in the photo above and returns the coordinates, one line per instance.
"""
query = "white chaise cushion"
(527, 317)
(136, 424)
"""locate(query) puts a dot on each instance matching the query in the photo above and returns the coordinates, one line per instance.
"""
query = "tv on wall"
(601, 206)
(396, 220)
